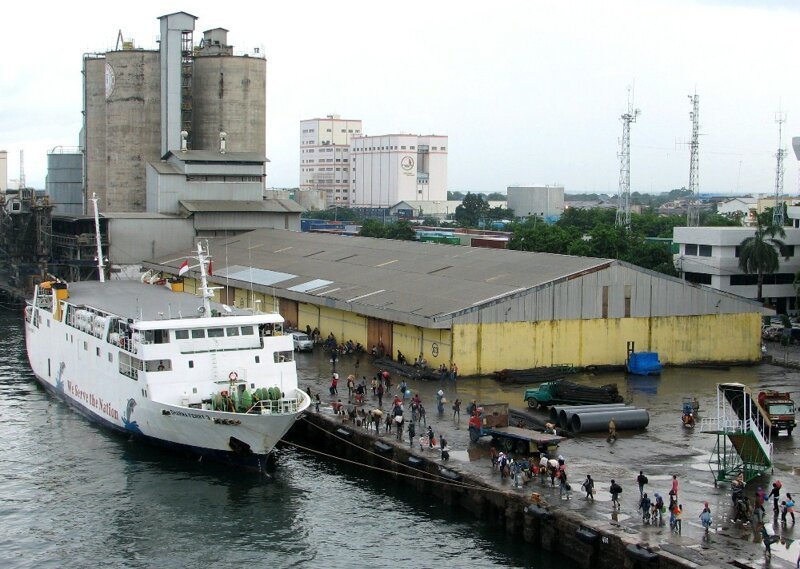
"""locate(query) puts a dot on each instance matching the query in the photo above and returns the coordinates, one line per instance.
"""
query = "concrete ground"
(663, 449)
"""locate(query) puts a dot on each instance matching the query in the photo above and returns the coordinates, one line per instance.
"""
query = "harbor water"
(76, 495)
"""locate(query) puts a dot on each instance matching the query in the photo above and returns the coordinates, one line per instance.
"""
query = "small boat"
(689, 412)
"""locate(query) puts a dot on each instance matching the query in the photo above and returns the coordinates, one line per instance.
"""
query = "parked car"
(302, 343)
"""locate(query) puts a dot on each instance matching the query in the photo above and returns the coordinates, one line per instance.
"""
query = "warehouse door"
(288, 309)
(380, 332)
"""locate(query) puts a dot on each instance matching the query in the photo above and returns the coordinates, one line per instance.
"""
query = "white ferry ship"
(167, 367)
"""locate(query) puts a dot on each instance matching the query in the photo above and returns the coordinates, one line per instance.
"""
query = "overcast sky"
(528, 92)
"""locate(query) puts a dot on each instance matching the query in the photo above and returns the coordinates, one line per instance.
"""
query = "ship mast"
(208, 292)
(100, 268)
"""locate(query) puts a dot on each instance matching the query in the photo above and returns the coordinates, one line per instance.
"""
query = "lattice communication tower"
(777, 210)
(693, 211)
(624, 205)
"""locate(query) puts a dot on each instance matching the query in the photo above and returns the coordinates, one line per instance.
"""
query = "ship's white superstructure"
(166, 366)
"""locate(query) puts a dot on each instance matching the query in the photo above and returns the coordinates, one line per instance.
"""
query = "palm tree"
(759, 253)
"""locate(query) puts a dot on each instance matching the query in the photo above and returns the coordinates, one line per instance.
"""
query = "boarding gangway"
(743, 430)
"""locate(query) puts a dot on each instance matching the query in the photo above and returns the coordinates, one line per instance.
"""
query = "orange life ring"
(233, 376)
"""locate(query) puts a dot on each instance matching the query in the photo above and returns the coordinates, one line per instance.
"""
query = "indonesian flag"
(184, 268)
(210, 268)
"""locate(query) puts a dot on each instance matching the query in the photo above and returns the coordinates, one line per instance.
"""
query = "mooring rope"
(438, 478)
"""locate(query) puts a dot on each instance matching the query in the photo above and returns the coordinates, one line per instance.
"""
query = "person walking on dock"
(705, 516)
(641, 480)
(430, 437)
(775, 494)
(421, 412)
(412, 432)
(563, 486)
(379, 391)
(658, 508)
(457, 412)
(440, 400)
(644, 506)
(612, 430)
(399, 420)
(615, 490)
(674, 491)
(588, 487)
(789, 506)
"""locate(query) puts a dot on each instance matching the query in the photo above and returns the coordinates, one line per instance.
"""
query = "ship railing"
(282, 406)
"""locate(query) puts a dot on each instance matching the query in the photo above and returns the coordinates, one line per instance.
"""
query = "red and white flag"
(210, 269)
(184, 268)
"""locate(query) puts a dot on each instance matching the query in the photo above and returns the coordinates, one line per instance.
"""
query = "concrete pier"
(589, 532)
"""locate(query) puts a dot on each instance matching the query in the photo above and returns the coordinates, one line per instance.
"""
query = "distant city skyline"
(527, 92)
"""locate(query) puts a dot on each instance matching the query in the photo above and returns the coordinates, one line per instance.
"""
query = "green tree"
(472, 209)
(496, 197)
(759, 253)
(373, 228)
(455, 196)
(401, 230)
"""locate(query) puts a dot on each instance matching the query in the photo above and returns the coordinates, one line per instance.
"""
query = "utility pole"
(624, 204)
(693, 211)
(777, 211)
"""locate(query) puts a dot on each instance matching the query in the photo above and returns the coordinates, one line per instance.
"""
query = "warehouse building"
(483, 309)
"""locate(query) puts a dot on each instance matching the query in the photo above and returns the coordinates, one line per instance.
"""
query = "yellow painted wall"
(344, 325)
(678, 340)
(435, 345)
(307, 315)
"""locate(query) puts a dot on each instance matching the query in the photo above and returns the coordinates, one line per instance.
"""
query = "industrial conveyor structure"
(742, 428)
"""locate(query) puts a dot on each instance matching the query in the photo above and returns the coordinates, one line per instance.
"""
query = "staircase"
(743, 435)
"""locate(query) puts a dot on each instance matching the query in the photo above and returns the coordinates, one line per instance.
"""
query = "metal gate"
(288, 309)
(379, 332)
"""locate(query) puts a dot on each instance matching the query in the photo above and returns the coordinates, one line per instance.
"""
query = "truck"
(491, 419)
(780, 409)
(564, 392)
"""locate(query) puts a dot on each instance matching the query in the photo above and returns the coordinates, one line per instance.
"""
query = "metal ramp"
(744, 444)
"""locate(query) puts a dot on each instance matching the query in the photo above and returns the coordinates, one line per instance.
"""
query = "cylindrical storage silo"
(229, 95)
(586, 422)
(95, 86)
(566, 413)
(133, 126)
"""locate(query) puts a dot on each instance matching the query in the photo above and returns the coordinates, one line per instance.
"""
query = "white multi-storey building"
(710, 256)
(388, 169)
(325, 156)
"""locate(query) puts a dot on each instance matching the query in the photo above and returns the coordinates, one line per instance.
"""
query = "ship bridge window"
(281, 357)
(158, 365)
(247, 330)
(181, 334)
(129, 365)
(216, 332)
(234, 331)
(155, 336)
(198, 334)
(270, 329)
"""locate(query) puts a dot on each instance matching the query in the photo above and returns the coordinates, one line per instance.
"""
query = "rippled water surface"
(74, 495)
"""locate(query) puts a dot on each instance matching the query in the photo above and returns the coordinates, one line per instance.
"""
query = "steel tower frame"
(624, 203)
(693, 210)
(777, 210)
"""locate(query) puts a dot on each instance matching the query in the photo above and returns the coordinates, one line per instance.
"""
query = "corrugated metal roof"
(406, 277)
(271, 205)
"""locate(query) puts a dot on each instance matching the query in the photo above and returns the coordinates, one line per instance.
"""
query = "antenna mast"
(777, 211)
(624, 205)
(100, 269)
(693, 211)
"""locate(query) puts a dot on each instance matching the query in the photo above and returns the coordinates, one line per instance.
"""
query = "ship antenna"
(208, 293)
(100, 268)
